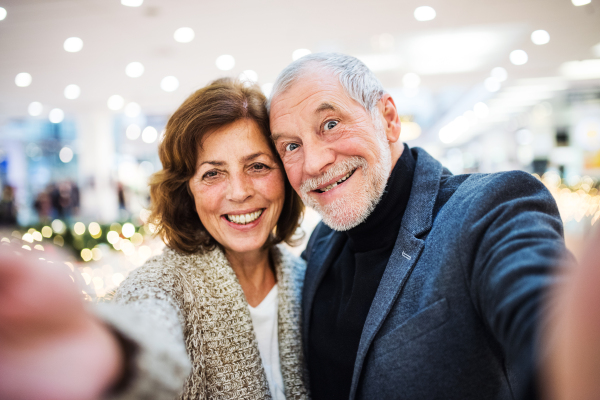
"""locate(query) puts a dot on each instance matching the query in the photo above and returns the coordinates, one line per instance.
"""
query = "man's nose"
(317, 157)
(240, 188)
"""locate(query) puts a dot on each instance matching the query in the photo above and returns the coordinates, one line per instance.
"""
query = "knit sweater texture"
(179, 307)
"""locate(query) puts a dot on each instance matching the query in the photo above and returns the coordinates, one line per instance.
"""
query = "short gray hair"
(357, 80)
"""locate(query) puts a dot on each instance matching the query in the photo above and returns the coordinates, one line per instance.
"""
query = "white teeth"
(328, 188)
(244, 219)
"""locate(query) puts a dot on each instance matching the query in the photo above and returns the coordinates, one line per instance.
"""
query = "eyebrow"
(244, 159)
(325, 107)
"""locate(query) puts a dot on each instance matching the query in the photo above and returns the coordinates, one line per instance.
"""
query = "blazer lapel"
(417, 221)
(322, 255)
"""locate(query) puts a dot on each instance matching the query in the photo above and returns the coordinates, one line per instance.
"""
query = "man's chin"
(342, 217)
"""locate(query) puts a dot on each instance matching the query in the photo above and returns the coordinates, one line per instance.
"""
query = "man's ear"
(391, 118)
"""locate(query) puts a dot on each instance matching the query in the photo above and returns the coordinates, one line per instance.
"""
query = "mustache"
(339, 169)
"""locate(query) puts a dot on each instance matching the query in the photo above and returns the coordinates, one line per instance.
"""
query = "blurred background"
(87, 86)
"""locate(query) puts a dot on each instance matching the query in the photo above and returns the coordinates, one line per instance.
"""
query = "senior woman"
(224, 296)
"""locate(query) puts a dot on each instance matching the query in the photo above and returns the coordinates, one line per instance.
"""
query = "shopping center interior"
(87, 87)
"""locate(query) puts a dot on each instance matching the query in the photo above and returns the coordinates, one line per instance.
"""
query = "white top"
(264, 320)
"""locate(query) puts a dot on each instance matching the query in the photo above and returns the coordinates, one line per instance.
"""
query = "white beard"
(353, 209)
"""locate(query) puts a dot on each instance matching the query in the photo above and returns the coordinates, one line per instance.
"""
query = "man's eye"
(330, 125)
(291, 147)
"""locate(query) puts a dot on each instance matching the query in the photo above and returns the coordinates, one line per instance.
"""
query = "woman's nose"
(240, 188)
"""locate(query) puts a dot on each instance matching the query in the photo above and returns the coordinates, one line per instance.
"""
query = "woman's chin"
(247, 245)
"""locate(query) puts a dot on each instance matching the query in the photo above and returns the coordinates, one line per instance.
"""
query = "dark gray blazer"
(456, 311)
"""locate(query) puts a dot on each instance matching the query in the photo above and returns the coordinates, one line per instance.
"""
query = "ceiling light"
(35, 109)
(132, 110)
(66, 154)
(540, 37)
(492, 84)
(72, 92)
(132, 3)
(23, 79)
(115, 102)
(184, 35)
(410, 131)
(248, 76)
(134, 69)
(133, 132)
(267, 88)
(225, 62)
(499, 74)
(73, 44)
(424, 13)
(56, 115)
(169, 84)
(299, 53)
(580, 2)
(149, 134)
(585, 69)
(2, 13)
(411, 80)
(518, 57)
(481, 110)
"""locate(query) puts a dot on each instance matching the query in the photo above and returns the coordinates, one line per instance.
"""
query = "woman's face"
(238, 187)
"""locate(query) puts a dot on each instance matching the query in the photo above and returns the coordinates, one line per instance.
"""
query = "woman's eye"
(259, 167)
(330, 125)
(291, 147)
(210, 175)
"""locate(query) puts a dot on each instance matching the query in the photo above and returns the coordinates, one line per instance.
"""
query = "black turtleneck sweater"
(345, 294)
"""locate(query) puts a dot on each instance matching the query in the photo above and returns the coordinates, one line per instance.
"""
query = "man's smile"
(336, 183)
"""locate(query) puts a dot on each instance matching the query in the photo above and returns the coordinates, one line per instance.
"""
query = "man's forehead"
(311, 93)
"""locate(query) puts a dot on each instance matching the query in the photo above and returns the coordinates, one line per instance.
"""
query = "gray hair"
(357, 80)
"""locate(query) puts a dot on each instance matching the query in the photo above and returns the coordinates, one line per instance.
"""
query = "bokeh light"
(23, 79)
(3, 13)
(540, 37)
(132, 3)
(149, 134)
(184, 35)
(411, 80)
(249, 76)
(46, 231)
(56, 115)
(134, 69)
(72, 92)
(133, 132)
(35, 109)
(79, 228)
(499, 74)
(58, 226)
(133, 109)
(128, 230)
(169, 84)
(115, 102)
(73, 44)
(518, 57)
(424, 13)
(225, 62)
(65, 154)
(299, 53)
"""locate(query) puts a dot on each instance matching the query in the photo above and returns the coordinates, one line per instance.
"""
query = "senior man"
(420, 284)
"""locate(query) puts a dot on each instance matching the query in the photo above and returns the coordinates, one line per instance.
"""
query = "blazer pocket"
(426, 320)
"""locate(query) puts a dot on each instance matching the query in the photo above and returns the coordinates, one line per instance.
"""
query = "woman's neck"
(253, 270)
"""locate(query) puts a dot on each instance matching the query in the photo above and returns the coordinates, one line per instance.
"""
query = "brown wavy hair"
(173, 211)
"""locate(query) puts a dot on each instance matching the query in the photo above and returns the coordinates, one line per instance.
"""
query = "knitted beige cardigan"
(177, 304)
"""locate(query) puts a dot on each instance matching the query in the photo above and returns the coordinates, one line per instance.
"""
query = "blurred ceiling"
(457, 49)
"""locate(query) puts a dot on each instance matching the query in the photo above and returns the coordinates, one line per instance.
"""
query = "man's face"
(336, 157)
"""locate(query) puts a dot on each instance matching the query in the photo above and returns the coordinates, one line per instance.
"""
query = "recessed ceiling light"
(23, 79)
(73, 44)
(72, 92)
(518, 57)
(267, 88)
(132, 110)
(184, 35)
(299, 53)
(499, 74)
(540, 37)
(115, 102)
(134, 69)
(424, 13)
(35, 109)
(56, 115)
(581, 2)
(225, 62)
(2, 13)
(132, 3)
(169, 84)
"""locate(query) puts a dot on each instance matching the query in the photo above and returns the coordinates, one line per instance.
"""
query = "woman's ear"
(392, 119)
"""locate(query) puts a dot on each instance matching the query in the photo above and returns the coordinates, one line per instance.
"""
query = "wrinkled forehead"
(305, 96)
